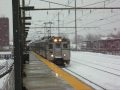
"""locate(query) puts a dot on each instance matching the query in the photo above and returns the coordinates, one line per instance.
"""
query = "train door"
(49, 51)
(66, 50)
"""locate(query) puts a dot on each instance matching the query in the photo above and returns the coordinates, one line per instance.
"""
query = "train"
(54, 48)
(111, 46)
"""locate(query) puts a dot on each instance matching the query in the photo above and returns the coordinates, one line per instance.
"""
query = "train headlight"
(64, 55)
(52, 55)
(60, 40)
(55, 40)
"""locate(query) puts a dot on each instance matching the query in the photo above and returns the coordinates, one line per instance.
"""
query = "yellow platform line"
(74, 82)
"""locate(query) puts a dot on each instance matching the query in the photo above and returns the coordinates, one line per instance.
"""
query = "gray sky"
(106, 21)
(6, 11)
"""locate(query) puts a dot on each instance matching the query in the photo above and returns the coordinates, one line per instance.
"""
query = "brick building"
(4, 32)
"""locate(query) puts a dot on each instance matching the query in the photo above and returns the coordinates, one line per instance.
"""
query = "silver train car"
(55, 49)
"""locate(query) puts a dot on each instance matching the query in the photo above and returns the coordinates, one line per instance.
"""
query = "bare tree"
(91, 37)
(80, 38)
(114, 35)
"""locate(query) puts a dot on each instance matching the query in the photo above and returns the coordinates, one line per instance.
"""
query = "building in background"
(4, 33)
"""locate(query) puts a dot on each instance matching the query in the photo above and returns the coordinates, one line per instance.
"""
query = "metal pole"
(45, 29)
(78, 8)
(23, 34)
(23, 24)
(75, 25)
(58, 24)
(16, 36)
(50, 28)
(64, 27)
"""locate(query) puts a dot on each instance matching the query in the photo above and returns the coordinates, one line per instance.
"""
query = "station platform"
(39, 76)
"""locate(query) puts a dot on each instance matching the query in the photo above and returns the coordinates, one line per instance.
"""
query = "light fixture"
(55, 40)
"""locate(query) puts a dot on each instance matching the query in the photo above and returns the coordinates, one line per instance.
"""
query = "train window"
(57, 45)
(50, 46)
(65, 46)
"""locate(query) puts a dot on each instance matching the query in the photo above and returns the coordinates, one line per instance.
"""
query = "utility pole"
(49, 31)
(45, 28)
(58, 23)
(50, 27)
(75, 25)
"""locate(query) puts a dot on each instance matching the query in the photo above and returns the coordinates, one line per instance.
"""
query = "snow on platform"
(39, 77)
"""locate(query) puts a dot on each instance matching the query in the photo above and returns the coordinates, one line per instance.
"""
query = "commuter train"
(54, 48)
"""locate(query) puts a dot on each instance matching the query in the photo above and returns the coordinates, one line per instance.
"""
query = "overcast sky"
(6, 11)
(106, 21)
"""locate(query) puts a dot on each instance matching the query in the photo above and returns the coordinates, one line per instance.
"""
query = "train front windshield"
(58, 45)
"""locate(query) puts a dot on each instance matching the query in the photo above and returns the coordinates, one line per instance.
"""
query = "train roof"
(49, 38)
(44, 39)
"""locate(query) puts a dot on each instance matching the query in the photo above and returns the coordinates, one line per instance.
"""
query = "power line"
(98, 3)
(100, 19)
(118, 20)
(62, 27)
(61, 11)
(88, 12)
(56, 3)
(73, 8)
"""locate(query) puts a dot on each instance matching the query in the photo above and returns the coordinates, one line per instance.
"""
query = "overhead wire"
(71, 6)
(82, 6)
(118, 20)
(104, 18)
(56, 3)
(88, 12)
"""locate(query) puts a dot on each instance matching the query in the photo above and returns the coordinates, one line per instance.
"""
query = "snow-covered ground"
(4, 66)
(101, 71)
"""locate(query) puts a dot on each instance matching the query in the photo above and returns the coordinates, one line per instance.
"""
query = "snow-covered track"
(94, 63)
(97, 68)
(102, 69)
(74, 73)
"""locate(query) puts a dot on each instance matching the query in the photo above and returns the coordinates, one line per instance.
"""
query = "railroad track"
(72, 72)
(101, 65)
(97, 68)
(102, 62)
